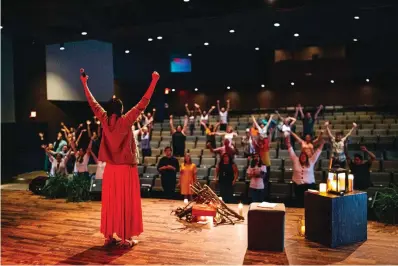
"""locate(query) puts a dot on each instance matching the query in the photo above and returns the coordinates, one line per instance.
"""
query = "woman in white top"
(148, 118)
(191, 119)
(223, 113)
(256, 172)
(287, 123)
(303, 170)
(262, 129)
(204, 117)
(82, 158)
(100, 166)
(338, 158)
(58, 164)
(229, 135)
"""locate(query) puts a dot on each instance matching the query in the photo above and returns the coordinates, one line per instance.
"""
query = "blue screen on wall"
(180, 65)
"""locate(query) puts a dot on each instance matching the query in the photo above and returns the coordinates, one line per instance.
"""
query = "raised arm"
(99, 130)
(143, 103)
(354, 126)
(318, 111)
(372, 157)
(317, 153)
(279, 115)
(185, 127)
(319, 138)
(296, 113)
(328, 130)
(255, 123)
(218, 106)
(78, 139)
(236, 173)
(301, 111)
(292, 119)
(211, 110)
(228, 105)
(47, 151)
(172, 129)
(97, 109)
(73, 146)
(269, 123)
(290, 150)
(197, 106)
(153, 114)
(296, 137)
(187, 109)
(204, 125)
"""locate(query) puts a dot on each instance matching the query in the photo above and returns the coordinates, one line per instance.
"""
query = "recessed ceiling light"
(355, 39)
(277, 24)
(296, 35)
(160, 37)
(332, 81)
(367, 80)
(292, 83)
(356, 17)
(127, 51)
(262, 85)
(84, 33)
(228, 87)
(186, 1)
(206, 43)
(61, 48)
(150, 39)
(196, 89)
(231, 31)
(257, 48)
(173, 89)
(189, 54)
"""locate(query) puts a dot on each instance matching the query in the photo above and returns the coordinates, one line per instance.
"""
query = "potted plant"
(386, 205)
(56, 187)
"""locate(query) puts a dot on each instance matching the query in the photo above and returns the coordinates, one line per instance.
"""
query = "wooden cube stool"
(266, 227)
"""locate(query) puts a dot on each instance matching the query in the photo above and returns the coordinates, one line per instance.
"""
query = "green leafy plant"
(56, 187)
(79, 188)
(386, 205)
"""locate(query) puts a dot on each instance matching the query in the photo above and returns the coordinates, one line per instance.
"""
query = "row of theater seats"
(280, 187)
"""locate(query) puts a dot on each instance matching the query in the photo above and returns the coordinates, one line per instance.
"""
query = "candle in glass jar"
(341, 177)
(302, 230)
(220, 198)
(333, 185)
(240, 209)
(186, 201)
(322, 187)
(350, 182)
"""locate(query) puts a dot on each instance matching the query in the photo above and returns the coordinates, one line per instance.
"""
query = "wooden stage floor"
(40, 231)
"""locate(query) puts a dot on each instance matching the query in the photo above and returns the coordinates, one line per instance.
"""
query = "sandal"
(111, 242)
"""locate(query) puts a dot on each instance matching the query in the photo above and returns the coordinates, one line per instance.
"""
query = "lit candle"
(341, 177)
(322, 187)
(302, 230)
(333, 185)
(220, 198)
(186, 201)
(329, 181)
(240, 209)
(350, 182)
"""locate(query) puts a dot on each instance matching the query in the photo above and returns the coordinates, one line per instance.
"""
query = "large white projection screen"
(63, 76)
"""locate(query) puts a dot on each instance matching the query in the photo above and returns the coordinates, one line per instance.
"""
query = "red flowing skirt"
(121, 211)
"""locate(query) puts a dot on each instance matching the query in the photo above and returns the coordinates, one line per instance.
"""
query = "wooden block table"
(266, 227)
(334, 220)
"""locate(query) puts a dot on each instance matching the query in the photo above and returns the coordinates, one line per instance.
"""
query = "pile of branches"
(205, 195)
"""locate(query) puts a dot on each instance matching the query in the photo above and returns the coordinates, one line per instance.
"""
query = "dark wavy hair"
(115, 106)
(253, 163)
(231, 159)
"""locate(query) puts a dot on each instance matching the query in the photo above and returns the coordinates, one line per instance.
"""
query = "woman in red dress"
(121, 200)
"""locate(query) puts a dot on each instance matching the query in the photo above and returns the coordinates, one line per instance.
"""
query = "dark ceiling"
(189, 24)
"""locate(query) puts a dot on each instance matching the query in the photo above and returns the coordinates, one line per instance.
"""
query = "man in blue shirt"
(308, 121)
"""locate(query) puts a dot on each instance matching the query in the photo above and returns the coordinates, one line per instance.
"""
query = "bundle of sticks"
(205, 195)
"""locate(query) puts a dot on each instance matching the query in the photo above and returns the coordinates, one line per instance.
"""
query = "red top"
(118, 144)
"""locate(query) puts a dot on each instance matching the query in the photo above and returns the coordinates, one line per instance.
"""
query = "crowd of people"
(121, 139)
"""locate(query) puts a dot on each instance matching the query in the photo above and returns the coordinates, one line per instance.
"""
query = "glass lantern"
(339, 181)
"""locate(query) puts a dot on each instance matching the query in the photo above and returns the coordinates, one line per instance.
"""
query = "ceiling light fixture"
(356, 17)
(231, 31)
(296, 35)
(173, 90)
(292, 83)
(160, 37)
(355, 39)
(262, 86)
(127, 51)
(228, 87)
(189, 55)
(277, 24)
(196, 89)
(84, 33)
(206, 43)
(332, 81)
(367, 80)
(256, 48)
(150, 39)
(61, 47)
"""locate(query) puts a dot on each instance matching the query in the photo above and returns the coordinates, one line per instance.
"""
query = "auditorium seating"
(377, 130)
